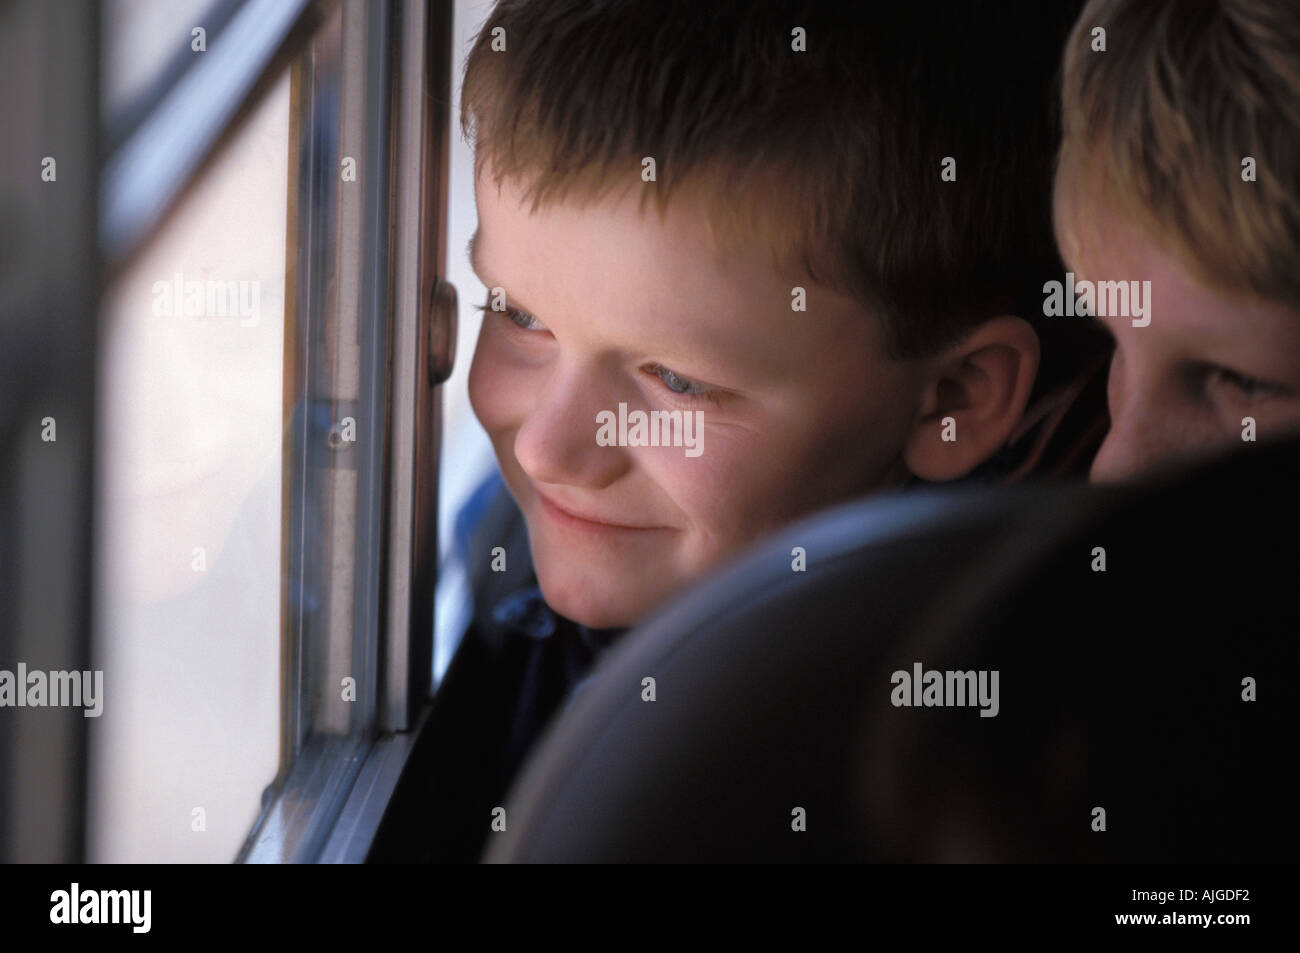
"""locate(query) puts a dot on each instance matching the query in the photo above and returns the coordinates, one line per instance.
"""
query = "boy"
(1180, 174)
(816, 234)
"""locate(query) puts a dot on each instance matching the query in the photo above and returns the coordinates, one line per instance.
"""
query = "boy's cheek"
(700, 488)
(732, 494)
(496, 389)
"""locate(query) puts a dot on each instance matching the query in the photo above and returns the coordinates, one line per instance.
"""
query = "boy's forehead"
(1189, 313)
(603, 220)
(658, 279)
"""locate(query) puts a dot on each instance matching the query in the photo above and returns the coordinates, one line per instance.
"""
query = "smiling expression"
(606, 304)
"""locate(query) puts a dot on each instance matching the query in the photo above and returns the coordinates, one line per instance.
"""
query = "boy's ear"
(974, 394)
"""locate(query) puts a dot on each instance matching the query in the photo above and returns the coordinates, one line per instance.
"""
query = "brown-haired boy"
(1180, 173)
(663, 189)
(820, 232)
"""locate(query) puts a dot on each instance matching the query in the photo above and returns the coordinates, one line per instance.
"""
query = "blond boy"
(1180, 174)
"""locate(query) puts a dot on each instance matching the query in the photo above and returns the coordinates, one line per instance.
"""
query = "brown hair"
(832, 154)
(1158, 125)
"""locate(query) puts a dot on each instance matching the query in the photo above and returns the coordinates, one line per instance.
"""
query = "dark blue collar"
(525, 613)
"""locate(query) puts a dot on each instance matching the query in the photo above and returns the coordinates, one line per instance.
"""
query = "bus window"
(188, 609)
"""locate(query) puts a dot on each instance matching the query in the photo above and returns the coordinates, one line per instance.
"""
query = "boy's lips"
(578, 518)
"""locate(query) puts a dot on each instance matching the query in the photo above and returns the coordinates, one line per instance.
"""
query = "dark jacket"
(515, 667)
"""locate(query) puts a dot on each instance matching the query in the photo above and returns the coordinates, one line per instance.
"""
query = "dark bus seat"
(1123, 732)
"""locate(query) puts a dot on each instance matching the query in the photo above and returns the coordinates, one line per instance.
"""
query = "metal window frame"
(424, 341)
(125, 121)
(330, 792)
(186, 127)
(329, 798)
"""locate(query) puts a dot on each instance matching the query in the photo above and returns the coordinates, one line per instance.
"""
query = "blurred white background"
(467, 456)
(190, 425)
(187, 610)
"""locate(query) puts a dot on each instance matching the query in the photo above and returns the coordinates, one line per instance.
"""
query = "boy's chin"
(594, 610)
(597, 605)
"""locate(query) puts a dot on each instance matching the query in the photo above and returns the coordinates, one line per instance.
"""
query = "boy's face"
(1180, 386)
(799, 409)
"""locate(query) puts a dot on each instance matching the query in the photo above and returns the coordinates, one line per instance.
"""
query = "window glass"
(188, 601)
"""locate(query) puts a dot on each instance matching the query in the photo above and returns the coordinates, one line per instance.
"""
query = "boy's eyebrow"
(471, 250)
(476, 265)
(474, 250)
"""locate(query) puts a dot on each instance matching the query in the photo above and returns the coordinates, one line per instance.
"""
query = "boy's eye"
(521, 319)
(1248, 387)
(524, 320)
(680, 385)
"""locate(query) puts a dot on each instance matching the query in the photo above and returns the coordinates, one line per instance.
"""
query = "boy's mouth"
(571, 518)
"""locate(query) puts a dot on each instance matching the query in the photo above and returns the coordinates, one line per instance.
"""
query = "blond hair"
(1159, 127)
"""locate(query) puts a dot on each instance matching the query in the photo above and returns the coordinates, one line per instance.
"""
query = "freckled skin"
(813, 412)
(1174, 389)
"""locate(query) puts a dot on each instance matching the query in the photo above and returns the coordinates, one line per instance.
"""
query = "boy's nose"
(1120, 458)
(1144, 437)
(556, 443)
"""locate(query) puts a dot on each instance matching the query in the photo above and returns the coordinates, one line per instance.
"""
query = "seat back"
(1123, 730)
